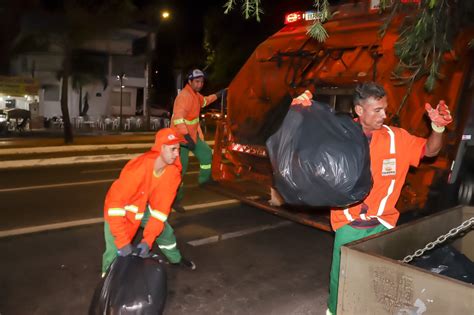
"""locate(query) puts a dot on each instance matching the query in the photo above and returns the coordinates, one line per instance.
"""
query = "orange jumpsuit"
(186, 110)
(392, 152)
(137, 186)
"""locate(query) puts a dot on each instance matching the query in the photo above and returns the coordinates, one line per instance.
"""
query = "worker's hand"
(304, 99)
(125, 251)
(190, 142)
(142, 250)
(221, 93)
(440, 117)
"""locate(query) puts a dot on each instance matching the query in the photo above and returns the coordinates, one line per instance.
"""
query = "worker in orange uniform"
(392, 151)
(142, 196)
(185, 120)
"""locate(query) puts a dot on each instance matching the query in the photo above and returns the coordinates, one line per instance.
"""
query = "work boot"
(178, 207)
(187, 264)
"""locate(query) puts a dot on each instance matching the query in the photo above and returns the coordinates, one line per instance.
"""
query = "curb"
(84, 159)
(74, 148)
(66, 160)
(79, 148)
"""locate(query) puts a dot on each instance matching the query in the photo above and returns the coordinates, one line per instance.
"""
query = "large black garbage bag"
(320, 158)
(132, 285)
(447, 261)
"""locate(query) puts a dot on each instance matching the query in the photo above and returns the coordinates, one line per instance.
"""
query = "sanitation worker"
(142, 197)
(185, 121)
(392, 151)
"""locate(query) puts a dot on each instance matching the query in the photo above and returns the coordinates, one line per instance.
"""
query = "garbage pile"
(132, 285)
(320, 158)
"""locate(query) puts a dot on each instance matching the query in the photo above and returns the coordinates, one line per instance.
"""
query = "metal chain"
(454, 231)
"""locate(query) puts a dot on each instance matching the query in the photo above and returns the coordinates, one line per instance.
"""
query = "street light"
(121, 77)
(153, 27)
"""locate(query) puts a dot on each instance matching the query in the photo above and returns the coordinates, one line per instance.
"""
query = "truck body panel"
(289, 62)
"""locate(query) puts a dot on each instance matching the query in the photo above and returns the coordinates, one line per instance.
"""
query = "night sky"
(180, 39)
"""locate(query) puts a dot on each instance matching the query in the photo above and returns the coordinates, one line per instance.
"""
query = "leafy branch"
(323, 13)
(250, 8)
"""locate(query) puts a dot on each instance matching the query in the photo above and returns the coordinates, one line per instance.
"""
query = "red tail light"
(293, 17)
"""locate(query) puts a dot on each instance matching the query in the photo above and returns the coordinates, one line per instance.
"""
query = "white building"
(116, 49)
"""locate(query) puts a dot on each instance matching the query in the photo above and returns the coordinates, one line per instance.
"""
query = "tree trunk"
(80, 100)
(68, 136)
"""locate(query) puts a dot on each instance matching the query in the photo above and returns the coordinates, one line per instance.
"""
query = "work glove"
(304, 99)
(190, 142)
(125, 251)
(440, 117)
(142, 250)
(221, 93)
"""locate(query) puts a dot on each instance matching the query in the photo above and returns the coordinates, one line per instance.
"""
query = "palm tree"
(65, 29)
(87, 68)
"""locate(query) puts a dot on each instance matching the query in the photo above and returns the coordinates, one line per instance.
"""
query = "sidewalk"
(43, 139)
(49, 150)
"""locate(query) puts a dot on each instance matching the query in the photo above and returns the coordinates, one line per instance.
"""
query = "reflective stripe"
(384, 200)
(187, 122)
(385, 223)
(131, 208)
(205, 103)
(205, 166)
(139, 216)
(363, 217)
(392, 139)
(167, 246)
(116, 212)
(192, 122)
(348, 215)
(158, 215)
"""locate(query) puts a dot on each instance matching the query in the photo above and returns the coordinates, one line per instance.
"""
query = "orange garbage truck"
(289, 62)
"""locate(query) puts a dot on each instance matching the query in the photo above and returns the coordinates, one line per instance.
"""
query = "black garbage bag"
(447, 261)
(132, 285)
(320, 158)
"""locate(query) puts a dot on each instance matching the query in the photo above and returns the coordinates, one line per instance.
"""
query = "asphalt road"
(249, 262)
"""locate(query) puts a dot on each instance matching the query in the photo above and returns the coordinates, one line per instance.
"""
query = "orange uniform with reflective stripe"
(129, 195)
(392, 152)
(186, 109)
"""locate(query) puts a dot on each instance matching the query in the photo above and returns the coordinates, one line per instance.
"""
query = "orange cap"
(166, 136)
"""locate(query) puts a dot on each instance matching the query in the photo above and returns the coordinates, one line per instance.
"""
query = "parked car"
(209, 118)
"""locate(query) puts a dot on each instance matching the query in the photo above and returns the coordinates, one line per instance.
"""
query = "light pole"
(121, 77)
(150, 47)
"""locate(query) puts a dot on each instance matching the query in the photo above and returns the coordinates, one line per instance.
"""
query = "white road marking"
(101, 171)
(226, 236)
(91, 182)
(48, 227)
(212, 204)
(57, 185)
(68, 224)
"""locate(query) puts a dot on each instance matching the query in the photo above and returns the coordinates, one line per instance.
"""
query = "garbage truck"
(290, 61)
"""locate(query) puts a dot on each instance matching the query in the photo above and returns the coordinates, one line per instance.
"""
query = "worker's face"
(196, 84)
(169, 153)
(371, 113)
